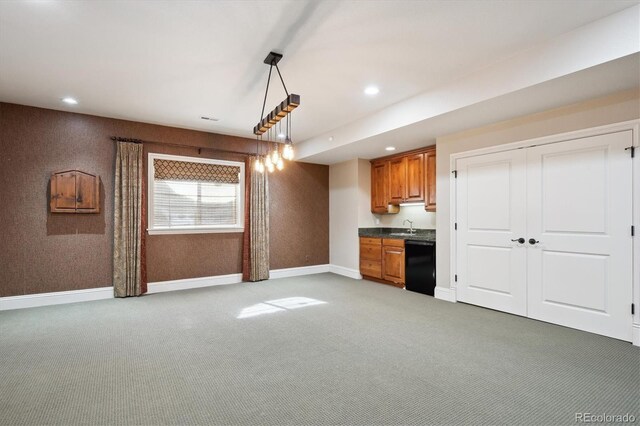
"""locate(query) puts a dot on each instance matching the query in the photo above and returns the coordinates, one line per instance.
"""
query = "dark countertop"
(420, 234)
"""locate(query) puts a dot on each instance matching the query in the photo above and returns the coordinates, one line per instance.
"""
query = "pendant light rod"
(282, 80)
(266, 92)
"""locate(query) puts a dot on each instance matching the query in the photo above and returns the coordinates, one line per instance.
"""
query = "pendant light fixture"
(277, 151)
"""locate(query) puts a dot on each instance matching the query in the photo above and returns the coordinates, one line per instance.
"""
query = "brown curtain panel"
(256, 247)
(127, 227)
(246, 237)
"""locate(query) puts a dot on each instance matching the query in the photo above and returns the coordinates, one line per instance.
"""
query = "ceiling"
(612, 77)
(170, 63)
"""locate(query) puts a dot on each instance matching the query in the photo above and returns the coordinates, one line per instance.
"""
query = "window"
(192, 195)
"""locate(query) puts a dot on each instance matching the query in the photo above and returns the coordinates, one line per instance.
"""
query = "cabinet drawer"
(370, 252)
(371, 268)
(371, 241)
(393, 242)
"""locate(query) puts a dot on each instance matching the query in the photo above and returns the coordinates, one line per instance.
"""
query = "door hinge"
(633, 308)
(455, 174)
(455, 226)
(455, 277)
(633, 230)
(632, 149)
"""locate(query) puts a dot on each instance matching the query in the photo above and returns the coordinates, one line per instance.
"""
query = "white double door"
(545, 232)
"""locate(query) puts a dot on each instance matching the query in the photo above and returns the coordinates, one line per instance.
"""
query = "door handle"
(519, 240)
(533, 241)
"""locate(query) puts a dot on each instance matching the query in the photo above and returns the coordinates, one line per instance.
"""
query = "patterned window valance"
(186, 170)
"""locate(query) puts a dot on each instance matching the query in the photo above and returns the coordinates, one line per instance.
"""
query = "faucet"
(411, 231)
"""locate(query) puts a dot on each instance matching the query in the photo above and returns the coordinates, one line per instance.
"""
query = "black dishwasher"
(420, 266)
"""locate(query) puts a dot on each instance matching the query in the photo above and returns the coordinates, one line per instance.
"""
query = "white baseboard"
(347, 272)
(635, 335)
(187, 283)
(56, 298)
(448, 294)
(295, 272)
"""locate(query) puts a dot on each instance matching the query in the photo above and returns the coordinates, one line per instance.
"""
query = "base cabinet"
(393, 261)
(382, 260)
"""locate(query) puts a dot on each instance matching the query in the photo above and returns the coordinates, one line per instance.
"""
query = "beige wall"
(614, 108)
(343, 214)
(421, 219)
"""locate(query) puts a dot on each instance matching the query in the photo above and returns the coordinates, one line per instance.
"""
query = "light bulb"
(260, 166)
(275, 155)
(280, 164)
(256, 164)
(270, 167)
(267, 161)
(287, 152)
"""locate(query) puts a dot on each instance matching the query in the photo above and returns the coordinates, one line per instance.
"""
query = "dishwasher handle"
(419, 243)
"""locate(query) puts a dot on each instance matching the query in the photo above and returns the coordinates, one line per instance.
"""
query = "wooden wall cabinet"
(397, 180)
(379, 176)
(430, 180)
(382, 260)
(404, 178)
(380, 189)
(74, 191)
(414, 187)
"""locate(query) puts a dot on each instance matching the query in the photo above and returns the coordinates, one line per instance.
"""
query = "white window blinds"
(188, 195)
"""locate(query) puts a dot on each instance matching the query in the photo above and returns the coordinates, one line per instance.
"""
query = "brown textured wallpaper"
(44, 252)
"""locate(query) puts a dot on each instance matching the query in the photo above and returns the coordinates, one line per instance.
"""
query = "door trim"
(632, 125)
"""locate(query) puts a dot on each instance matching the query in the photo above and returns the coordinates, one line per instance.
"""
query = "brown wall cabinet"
(403, 178)
(397, 183)
(406, 179)
(379, 176)
(414, 187)
(75, 191)
(382, 260)
(380, 189)
(430, 180)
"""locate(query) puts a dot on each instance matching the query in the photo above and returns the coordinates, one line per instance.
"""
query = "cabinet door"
(87, 193)
(379, 176)
(393, 264)
(397, 180)
(430, 181)
(415, 178)
(63, 192)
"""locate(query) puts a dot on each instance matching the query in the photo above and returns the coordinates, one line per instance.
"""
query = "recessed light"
(210, 118)
(281, 135)
(330, 138)
(69, 101)
(390, 148)
(371, 90)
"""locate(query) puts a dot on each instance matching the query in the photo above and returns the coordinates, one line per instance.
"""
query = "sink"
(402, 234)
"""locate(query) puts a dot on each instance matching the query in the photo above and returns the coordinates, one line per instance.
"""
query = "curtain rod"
(199, 148)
